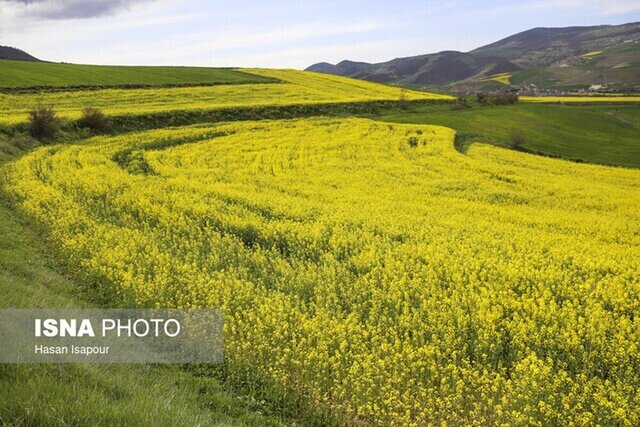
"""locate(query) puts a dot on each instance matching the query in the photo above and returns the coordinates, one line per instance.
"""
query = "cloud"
(595, 7)
(617, 7)
(609, 7)
(71, 9)
(239, 42)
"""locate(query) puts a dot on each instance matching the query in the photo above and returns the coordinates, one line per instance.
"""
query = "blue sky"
(280, 33)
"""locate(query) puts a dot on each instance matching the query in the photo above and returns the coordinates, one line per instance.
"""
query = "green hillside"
(23, 74)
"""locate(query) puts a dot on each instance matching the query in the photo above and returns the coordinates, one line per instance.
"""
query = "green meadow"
(602, 134)
(24, 74)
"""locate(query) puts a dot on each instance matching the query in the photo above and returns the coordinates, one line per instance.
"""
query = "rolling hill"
(7, 52)
(18, 75)
(549, 58)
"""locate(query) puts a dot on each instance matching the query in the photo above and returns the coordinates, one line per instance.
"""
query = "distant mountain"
(7, 52)
(569, 57)
(436, 68)
(544, 46)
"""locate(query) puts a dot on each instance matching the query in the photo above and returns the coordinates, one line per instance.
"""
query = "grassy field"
(368, 266)
(604, 134)
(298, 88)
(24, 74)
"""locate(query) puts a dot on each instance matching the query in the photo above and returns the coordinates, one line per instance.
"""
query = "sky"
(279, 33)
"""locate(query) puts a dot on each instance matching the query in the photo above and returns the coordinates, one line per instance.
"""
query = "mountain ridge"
(13, 53)
(542, 56)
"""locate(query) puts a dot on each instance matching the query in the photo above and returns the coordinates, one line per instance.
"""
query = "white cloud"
(598, 7)
(302, 57)
(240, 37)
(280, 33)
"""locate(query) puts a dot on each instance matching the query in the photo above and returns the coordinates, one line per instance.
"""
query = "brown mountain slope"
(571, 57)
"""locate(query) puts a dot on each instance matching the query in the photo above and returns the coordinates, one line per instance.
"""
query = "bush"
(402, 100)
(94, 119)
(503, 98)
(509, 98)
(517, 140)
(43, 122)
(461, 102)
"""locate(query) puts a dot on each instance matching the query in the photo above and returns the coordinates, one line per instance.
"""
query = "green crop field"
(604, 134)
(23, 74)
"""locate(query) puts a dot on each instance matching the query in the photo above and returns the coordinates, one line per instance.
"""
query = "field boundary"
(464, 140)
(133, 122)
(80, 88)
(120, 123)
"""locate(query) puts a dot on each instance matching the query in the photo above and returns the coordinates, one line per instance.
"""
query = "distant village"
(531, 89)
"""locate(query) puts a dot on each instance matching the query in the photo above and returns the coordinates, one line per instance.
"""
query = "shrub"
(461, 102)
(517, 140)
(509, 98)
(503, 98)
(94, 119)
(402, 101)
(43, 122)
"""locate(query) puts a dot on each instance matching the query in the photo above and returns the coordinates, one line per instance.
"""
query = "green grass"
(24, 74)
(602, 134)
(79, 394)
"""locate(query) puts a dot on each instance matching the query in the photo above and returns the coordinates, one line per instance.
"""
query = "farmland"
(297, 88)
(32, 276)
(26, 74)
(595, 133)
(500, 78)
(367, 265)
(402, 268)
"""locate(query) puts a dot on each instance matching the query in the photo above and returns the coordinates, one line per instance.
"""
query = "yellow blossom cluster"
(369, 266)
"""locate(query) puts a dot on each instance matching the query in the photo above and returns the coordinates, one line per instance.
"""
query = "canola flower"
(298, 87)
(369, 266)
(500, 78)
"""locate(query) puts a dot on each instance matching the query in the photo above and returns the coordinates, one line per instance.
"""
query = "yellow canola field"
(367, 265)
(500, 78)
(298, 87)
(591, 54)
